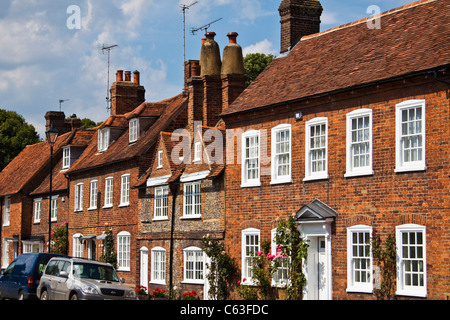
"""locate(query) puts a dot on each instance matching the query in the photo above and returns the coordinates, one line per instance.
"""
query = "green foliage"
(221, 268)
(255, 63)
(385, 257)
(109, 255)
(15, 134)
(291, 244)
(60, 239)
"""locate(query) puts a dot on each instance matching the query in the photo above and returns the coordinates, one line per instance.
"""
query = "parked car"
(80, 279)
(21, 278)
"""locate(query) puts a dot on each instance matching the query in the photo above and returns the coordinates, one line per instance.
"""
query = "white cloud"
(264, 46)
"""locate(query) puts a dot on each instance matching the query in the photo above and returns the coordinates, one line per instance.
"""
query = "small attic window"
(197, 151)
(134, 130)
(66, 158)
(160, 159)
(103, 139)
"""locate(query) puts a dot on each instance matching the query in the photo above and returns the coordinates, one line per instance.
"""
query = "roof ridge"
(364, 20)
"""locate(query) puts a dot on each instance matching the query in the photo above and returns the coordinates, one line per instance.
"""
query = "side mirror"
(63, 274)
(122, 280)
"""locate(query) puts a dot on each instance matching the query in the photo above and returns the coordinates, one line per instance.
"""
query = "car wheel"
(74, 296)
(44, 295)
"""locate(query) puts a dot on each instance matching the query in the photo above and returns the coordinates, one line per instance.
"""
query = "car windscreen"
(94, 271)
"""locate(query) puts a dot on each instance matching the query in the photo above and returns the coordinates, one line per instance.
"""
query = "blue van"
(21, 278)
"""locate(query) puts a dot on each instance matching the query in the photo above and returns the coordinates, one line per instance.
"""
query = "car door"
(61, 281)
(5, 284)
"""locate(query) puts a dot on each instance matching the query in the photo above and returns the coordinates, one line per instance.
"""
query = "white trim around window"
(359, 143)
(250, 247)
(410, 136)
(54, 212)
(192, 200)
(158, 266)
(281, 154)
(194, 265)
(411, 260)
(197, 152)
(78, 205)
(160, 159)
(109, 184)
(37, 209)
(103, 139)
(123, 251)
(7, 211)
(93, 195)
(250, 165)
(66, 158)
(316, 149)
(124, 190)
(77, 245)
(160, 203)
(133, 130)
(359, 259)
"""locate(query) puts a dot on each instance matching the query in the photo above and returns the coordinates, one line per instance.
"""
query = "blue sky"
(42, 60)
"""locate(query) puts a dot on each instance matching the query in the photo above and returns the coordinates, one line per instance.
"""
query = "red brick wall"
(384, 200)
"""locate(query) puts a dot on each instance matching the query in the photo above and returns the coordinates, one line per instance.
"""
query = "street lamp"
(51, 135)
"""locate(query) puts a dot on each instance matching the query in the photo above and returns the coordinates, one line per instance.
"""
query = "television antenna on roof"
(107, 48)
(184, 8)
(205, 27)
(61, 101)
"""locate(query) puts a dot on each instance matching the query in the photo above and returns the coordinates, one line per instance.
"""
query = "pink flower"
(259, 253)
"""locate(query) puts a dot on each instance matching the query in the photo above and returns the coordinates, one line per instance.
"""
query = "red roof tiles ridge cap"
(364, 20)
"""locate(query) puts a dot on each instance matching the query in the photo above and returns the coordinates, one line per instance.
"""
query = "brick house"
(348, 130)
(182, 193)
(25, 189)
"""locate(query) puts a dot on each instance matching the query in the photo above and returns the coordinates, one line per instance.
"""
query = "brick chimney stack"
(126, 94)
(298, 18)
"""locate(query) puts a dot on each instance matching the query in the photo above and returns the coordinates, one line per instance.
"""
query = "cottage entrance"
(314, 222)
(144, 267)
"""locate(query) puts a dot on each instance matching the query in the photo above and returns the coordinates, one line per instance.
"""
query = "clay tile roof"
(121, 149)
(411, 39)
(21, 171)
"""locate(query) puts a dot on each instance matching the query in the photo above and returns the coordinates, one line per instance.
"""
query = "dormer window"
(134, 130)
(197, 151)
(66, 158)
(103, 139)
(160, 159)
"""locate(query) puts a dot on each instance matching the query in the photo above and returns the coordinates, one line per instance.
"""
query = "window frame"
(125, 190)
(193, 195)
(133, 130)
(275, 156)
(54, 211)
(164, 199)
(158, 266)
(402, 288)
(283, 268)
(37, 210)
(197, 152)
(196, 260)
(160, 159)
(319, 175)
(66, 158)
(245, 266)
(103, 139)
(352, 284)
(245, 182)
(351, 171)
(77, 246)
(123, 251)
(109, 192)
(93, 194)
(7, 211)
(400, 165)
(78, 199)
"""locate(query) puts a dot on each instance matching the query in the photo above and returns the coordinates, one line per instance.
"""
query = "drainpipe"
(173, 186)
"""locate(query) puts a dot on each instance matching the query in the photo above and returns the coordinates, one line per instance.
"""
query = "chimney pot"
(210, 35)
(119, 75)
(137, 79)
(127, 75)
(232, 37)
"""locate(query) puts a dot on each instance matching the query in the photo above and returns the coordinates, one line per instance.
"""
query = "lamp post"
(51, 135)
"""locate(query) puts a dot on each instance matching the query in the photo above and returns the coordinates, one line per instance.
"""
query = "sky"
(52, 50)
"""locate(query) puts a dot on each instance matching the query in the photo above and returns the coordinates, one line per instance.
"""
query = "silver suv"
(79, 279)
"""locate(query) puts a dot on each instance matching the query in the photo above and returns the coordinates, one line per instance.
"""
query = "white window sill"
(411, 293)
(124, 205)
(323, 176)
(358, 173)
(251, 184)
(410, 168)
(281, 181)
(108, 206)
(163, 283)
(359, 289)
(6, 225)
(196, 216)
(123, 269)
(160, 219)
(193, 281)
(92, 208)
(78, 210)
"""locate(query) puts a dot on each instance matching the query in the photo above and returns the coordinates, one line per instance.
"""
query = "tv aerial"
(61, 101)
(184, 8)
(205, 27)
(107, 48)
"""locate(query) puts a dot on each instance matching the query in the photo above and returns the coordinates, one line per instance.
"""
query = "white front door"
(144, 267)
(317, 270)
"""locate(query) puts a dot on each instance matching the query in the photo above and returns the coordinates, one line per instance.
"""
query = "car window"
(52, 268)
(66, 267)
(94, 271)
(8, 270)
(41, 263)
